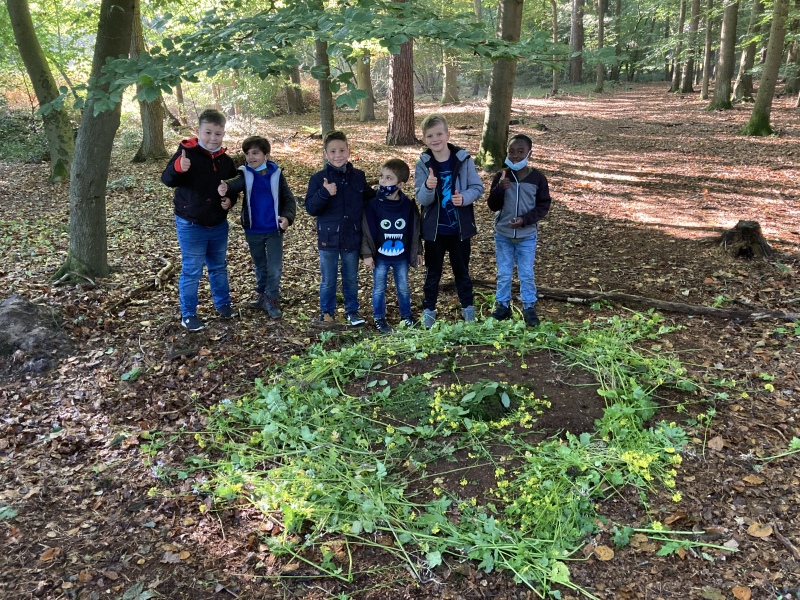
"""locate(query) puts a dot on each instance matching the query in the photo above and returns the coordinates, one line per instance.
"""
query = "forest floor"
(643, 182)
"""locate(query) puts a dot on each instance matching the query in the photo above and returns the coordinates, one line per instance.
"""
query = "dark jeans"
(329, 265)
(266, 250)
(459, 252)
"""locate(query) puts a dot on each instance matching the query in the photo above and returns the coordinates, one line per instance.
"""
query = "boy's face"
(518, 150)
(255, 157)
(389, 178)
(337, 153)
(210, 135)
(436, 138)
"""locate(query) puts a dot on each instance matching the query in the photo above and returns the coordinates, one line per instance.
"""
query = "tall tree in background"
(322, 63)
(709, 20)
(480, 78)
(676, 59)
(792, 85)
(400, 96)
(501, 90)
(554, 10)
(151, 111)
(366, 106)
(727, 49)
(294, 93)
(759, 119)
(601, 70)
(57, 126)
(576, 41)
(88, 249)
(617, 39)
(743, 88)
(450, 79)
(691, 46)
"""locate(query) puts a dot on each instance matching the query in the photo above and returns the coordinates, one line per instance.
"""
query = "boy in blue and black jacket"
(391, 241)
(336, 196)
(268, 210)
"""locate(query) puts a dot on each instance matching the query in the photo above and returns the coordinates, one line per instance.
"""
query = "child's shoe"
(271, 306)
(468, 313)
(408, 322)
(192, 323)
(355, 319)
(259, 301)
(382, 326)
(501, 311)
(531, 318)
(428, 318)
(225, 311)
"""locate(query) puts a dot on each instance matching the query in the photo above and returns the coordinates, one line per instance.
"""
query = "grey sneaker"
(355, 319)
(192, 323)
(382, 326)
(468, 313)
(225, 311)
(428, 318)
(501, 311)
(271, 306)
(531, 318)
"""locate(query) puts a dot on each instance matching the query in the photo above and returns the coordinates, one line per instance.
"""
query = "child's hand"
(515, 223)
(504, 182)
(226, 203)
(222, 188)
(420, 260)
(283, 223)
(457, 198)
(432, 181)
(185, 162)
(331, 187)
(370, 262)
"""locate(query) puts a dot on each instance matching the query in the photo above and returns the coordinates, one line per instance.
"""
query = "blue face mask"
(517, 166)
(387, 190)
(262, 167)
(204, 147)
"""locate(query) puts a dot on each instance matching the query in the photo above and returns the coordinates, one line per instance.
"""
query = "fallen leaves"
(49, 554)
(759, 531)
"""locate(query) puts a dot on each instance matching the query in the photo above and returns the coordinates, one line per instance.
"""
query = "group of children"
(384, 228)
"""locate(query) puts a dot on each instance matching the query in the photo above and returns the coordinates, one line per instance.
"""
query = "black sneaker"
(531, 318)
(382, 326)
(501, 312)
(271, 306)
(355, 319)
(258, 303)
(408, 322)
(192, 323)
(225, 311)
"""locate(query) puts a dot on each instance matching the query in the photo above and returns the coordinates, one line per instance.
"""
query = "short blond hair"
(432, 121)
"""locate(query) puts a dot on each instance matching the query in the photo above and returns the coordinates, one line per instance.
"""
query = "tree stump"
(746, 241)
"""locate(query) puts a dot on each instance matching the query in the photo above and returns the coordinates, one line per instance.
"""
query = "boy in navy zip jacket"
(520, 198)
(268, 210)
(446, 184)
(201, 215)
(336, 196)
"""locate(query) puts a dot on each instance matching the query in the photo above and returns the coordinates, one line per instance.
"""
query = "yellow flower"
(656, 525)
(463, 481)
(676, 497)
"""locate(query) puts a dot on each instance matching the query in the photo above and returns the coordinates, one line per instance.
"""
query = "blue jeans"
(202, 246)
(521, 252)
(329, 265)
(266, 250)
(380, 276)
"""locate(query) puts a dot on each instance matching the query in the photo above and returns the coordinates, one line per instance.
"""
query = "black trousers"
(459, 252)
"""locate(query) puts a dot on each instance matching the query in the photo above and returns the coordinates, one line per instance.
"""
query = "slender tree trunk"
(667, 62)
(601, 70)
(743, 88)
(687, 85)
(325, 97)
(57, 126)
(554, 7)
(759, 119)
(727, 49)
(576, 40)
(793, 55)
(294, 93)
(152, 113)
(709, 18)
(617, 39)
(480, 75)
(501, 90)
(88, 246)
(181, 104)
(676, 60)
(400, 97)
(450, 83)
(366, 106)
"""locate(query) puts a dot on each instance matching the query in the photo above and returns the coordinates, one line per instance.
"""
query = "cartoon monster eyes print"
(386, 224)
(399, 224)
(392, 237)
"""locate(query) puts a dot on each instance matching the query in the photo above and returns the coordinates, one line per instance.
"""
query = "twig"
(789, 546)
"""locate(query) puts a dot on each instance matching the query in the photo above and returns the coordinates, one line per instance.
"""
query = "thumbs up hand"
(331, 187)
(457, 198)
(432, 181)
(505, 181)
(185, 162)
(222, 188)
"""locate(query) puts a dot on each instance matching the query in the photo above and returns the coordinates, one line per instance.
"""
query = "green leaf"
(434, 559)
(7, 513)
(132, 375)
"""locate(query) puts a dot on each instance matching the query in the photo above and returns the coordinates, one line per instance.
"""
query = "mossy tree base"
(75, 271)
(757, 126)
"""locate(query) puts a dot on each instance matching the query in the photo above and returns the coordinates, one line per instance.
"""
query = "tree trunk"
(450, 85)
(759, 118)
(181, 103)
(480, 76)
(366, 106)
(676, 60)
(88, 251)
(601, 70)
(617, 38)
(687, 85)
(501, 91)
(554, 7)
(727, 49)
(57, 126)
(152, 113)
(400, 97)
(709, 17)
(793, 55)
(743, 88)
(667, 67)
(294, 93)
(576, 39)
(325, 96)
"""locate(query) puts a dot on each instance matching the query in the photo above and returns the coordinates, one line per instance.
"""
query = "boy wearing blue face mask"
(267, 212)
(391, 241)
(520, 198)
